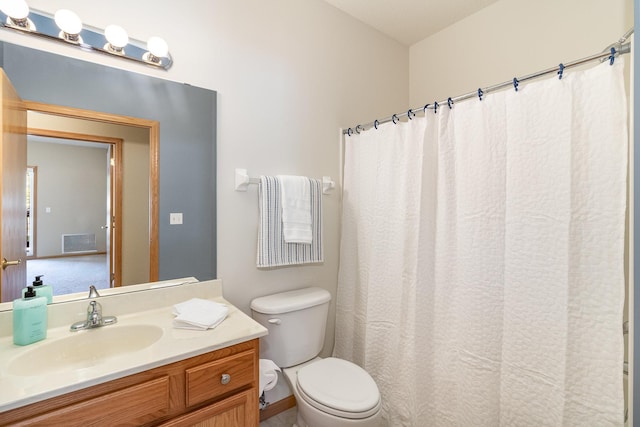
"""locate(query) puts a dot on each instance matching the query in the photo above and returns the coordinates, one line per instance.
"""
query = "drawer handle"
(225, 379)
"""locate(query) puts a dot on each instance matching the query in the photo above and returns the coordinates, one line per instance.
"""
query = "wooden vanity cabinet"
(219, 388)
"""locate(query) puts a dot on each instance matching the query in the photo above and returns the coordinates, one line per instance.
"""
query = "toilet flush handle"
(275, 321)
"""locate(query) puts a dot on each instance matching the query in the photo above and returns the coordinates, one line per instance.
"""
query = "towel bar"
(243, 180)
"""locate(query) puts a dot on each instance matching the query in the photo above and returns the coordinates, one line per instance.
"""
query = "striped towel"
(273, 251)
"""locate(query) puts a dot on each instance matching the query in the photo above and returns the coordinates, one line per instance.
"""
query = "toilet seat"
(339, 387)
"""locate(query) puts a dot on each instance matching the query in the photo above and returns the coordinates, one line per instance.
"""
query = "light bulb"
(16, 9)
(17, 12)
(157, 47)
(68, 21)
(116, 36)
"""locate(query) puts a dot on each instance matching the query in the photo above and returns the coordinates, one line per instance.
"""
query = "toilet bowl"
(334, 392)
(329, 392)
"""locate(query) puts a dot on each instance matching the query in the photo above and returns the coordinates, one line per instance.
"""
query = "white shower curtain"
(481, 273)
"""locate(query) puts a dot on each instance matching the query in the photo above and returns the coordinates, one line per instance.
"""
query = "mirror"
(186, 118)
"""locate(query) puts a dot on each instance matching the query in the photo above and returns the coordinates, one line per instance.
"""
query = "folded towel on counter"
(199, 314)
(273, 251)
(268, 375)
(295, 200)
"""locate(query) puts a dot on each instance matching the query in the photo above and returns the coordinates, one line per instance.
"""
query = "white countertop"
(173, 345)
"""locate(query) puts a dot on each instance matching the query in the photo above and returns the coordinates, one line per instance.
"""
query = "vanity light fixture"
(17, 12)
(65, 27)
(117, 39)
(70, 25)
(158, 49)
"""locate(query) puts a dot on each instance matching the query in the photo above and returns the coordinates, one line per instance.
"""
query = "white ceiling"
(410, 21)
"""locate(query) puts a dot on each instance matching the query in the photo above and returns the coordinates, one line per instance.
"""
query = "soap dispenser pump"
(29, 318)
(41, 289)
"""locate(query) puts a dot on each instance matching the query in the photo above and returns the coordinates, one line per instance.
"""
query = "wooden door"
(13, 186)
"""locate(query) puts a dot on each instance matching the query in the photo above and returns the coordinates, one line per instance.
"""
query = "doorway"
(74, 211)
(131, 221)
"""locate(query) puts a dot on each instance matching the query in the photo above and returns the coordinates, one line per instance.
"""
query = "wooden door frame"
(154, 185)
(115, 183)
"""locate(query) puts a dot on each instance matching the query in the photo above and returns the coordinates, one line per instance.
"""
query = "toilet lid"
(339, 387)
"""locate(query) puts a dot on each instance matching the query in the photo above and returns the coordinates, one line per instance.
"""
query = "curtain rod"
(610, 53)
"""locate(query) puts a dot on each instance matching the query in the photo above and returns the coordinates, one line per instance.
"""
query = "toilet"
(329, 392)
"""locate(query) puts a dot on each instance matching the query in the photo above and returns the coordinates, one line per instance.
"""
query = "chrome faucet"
(93, 292)
(94, 318)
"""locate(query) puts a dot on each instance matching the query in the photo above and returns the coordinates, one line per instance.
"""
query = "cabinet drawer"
(131, 406)
(222, 376)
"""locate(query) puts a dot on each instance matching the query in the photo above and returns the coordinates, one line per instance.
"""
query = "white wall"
(82, 172)
(512, 38)
(289, 74)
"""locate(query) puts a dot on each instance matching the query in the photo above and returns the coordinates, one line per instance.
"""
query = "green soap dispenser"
(29, 318)
(41, 289)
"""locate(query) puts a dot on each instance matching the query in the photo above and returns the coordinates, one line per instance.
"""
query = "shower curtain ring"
(358, 129)
(450, 103)
(612, 57)
(560, 71)
(409, 114)
(516, 82)
(480, 93)
(395, 119)
(425, 108)
(376, 123)
(435, 108)
(349, 132)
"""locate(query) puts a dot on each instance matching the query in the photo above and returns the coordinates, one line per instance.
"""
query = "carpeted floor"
(70, 274)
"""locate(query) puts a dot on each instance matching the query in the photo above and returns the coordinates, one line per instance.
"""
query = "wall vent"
(78, 243)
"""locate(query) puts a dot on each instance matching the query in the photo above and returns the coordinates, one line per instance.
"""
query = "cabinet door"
(131, 406)
(239, 410)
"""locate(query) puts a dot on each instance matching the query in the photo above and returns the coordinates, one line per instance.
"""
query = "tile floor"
(283, 419)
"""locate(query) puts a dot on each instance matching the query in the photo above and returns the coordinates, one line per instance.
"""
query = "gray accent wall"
(187, 117)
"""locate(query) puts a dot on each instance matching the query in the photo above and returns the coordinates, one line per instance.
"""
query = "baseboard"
(66, 255)
(277, 407)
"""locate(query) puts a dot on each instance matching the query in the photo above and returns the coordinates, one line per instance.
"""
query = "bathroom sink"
(84, 349)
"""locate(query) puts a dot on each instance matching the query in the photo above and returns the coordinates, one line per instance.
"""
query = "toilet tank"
(296, 321)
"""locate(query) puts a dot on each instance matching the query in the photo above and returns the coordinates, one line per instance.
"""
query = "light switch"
(175, 218)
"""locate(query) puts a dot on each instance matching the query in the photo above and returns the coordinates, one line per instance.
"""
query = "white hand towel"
(199, 314)
(295, 195)
(268, 375)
